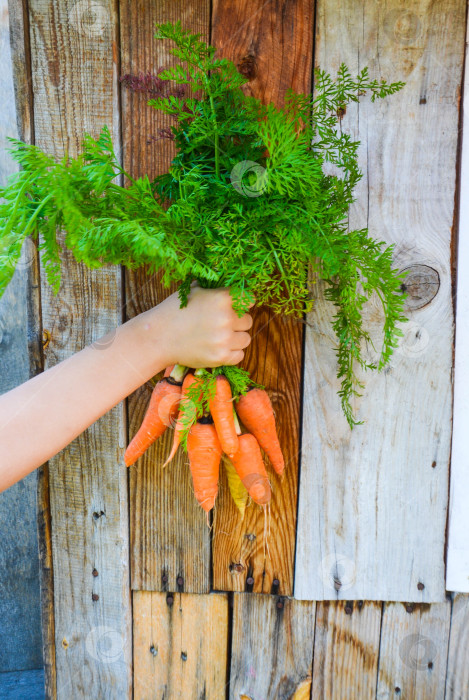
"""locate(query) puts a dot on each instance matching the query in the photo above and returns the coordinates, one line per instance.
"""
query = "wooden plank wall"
(457, 573)
(20, 619)
(242, 644)
(74, 76)
(379, 494)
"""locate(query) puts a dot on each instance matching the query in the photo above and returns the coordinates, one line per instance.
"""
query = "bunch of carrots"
(206, 412)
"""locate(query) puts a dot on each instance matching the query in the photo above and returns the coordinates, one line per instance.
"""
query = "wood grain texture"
(271, 647)
(373, 502)
(414, 649)
(20, 609)
(457, 559)
(457, 675)
(346, 650)
(75, 90)
(169, 535)
(180, 645)
(271, 42)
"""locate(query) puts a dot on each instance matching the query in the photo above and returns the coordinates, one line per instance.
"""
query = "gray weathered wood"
(457, 560)
(457, 675)
(271, 647)
(20, 625)
(18, 685)
(74, 71)
(413, 651)
(372, 503)
(346, 650)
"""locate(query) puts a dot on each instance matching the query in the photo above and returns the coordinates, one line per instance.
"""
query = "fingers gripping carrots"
(207, 426)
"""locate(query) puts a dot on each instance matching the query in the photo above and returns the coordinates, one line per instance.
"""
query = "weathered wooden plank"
(271, 647)
(169, 536)
(180, 645)
(20, 618)
(75, 89)
(457, 672)
(346, 649)
(373, 501)
(457, 560)
(272, 45)
(18, 685)
(413, 651)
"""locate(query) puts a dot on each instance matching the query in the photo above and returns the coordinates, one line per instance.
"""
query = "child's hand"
(205, 333)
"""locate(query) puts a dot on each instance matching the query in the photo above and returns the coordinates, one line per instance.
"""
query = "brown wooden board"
(74, 84)
(180, 645)
(271, 647)
(414, 650)
(271, 43)
(169, 536)
(346, 650)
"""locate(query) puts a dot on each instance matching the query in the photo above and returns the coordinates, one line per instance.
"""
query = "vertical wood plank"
(413, 651)
(74, 71)
(180, 645)
(168, 531)
(346, 649)
(457, 566)
(22, 83)
(20, 615)
(272, 647)
(376, 498)
(271, 43)
(457, 676)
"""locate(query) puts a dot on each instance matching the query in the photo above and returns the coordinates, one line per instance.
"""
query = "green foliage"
(246, 203)
(197, 402)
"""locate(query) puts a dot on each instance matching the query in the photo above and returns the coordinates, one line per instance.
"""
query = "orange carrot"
(161, 412)
(249, 464)
(204, 449)
(221, 409)
(256, 412)
(189, 380)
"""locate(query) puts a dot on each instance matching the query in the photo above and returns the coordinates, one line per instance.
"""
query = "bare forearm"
(59, 404)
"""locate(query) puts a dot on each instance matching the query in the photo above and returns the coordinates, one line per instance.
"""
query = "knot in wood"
(247, 66)
(421, 285)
